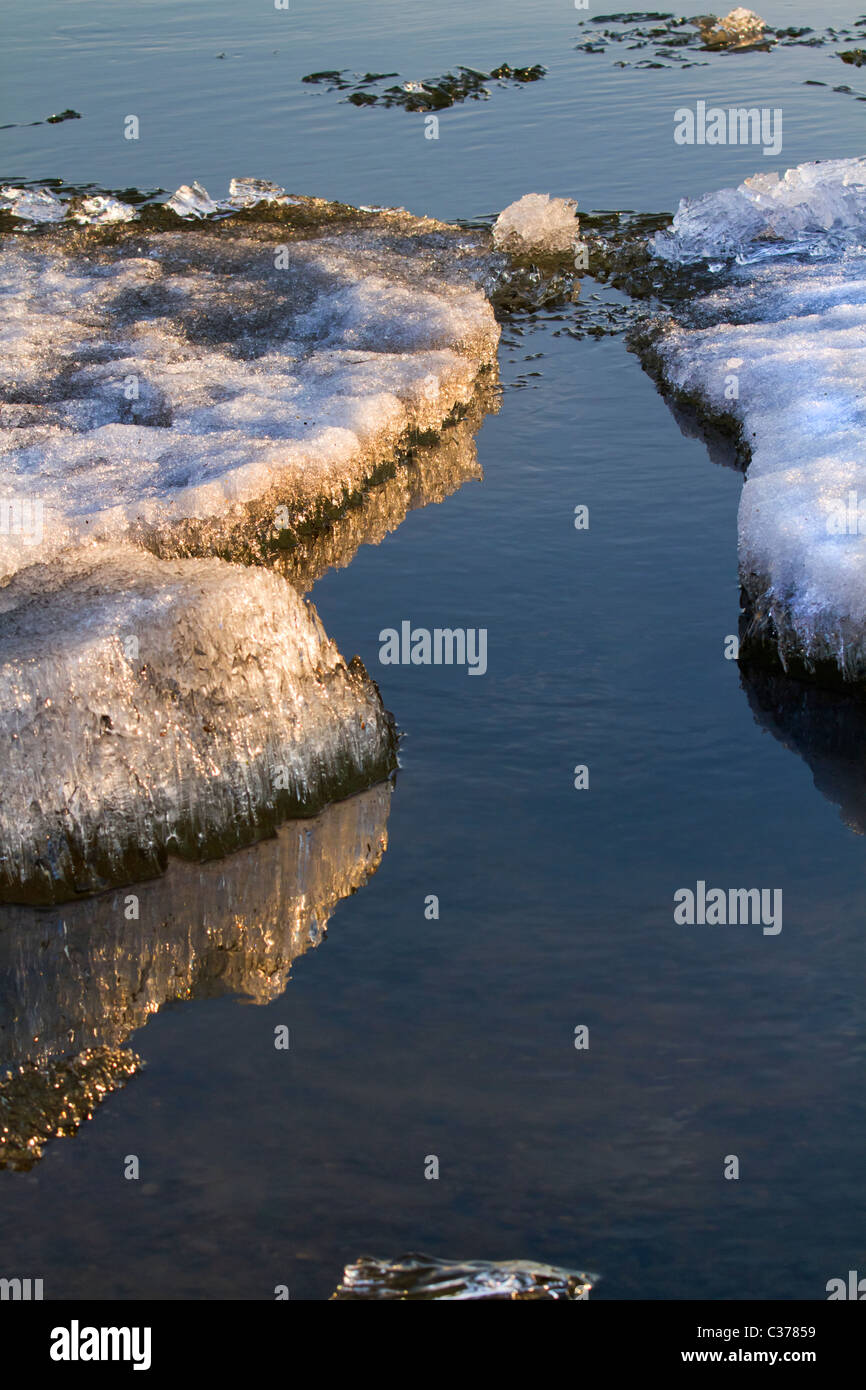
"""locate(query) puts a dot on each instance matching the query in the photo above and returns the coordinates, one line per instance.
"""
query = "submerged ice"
(779, 350)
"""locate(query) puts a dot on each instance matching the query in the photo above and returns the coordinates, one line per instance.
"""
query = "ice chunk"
(739, 29)
(426, 1277)
(780, 350)
(191, 200)
(150, 707)
(818, 208)
(248, 193)
(162, 385)
(537, 225)
(32, 204)
(103, 209)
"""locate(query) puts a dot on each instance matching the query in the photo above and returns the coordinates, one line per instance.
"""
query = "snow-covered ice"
(780, 348)
(151, 706)
(157, 384)
(537, 224)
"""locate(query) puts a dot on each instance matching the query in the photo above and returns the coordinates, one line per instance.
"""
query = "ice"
(32, 204)
(780, 350)
(537, 225)
(101, 210)
(191, 200)
(150, 707)
(249, 193)
(738, 29)
(159, 385)
(426, 1277)
(818, 208)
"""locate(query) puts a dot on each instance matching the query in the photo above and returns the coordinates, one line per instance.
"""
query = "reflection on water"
(431, 471)
(827, 727)
(78, 982)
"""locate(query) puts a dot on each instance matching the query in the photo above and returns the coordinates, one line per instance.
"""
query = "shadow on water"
(827, 728)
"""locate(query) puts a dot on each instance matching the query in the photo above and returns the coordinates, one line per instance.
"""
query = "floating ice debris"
(101, 210)
(32, 204)
(537, 225)
(150, 707)
(424, 1277)
(818, 208)
(740, 29)
(191, 200)
(161, 385)
(779, 350)
(249, 193)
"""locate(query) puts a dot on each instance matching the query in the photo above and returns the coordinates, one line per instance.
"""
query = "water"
(455, 1037)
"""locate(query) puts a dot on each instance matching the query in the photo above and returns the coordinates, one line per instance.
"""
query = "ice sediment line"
(150, 707)
(779, 350)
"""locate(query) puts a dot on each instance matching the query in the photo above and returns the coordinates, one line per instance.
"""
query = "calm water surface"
(455, 1037)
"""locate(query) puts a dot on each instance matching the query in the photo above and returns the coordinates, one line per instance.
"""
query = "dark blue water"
(606, 648)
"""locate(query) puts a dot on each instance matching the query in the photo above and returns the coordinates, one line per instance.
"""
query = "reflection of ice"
(424, 1277)
(826, 727)
(80, 980)
(150, 707)
(429, 473)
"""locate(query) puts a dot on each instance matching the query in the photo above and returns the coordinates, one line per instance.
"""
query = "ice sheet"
(154, 385)
(150, 707)
(780, 349)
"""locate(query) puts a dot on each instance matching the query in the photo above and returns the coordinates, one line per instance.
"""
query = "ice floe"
(158, 384)
(150, 707)
(779, 350)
